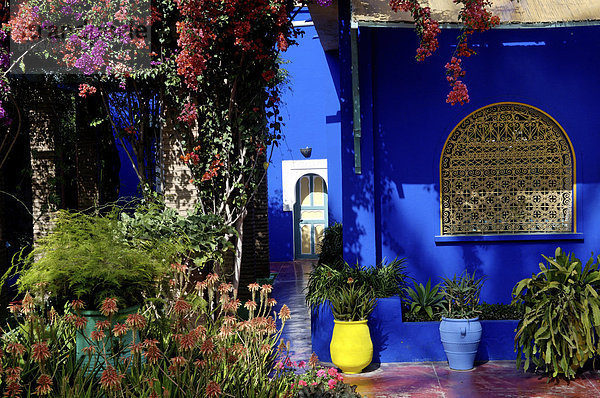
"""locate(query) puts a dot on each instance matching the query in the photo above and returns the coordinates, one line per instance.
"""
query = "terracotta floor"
(426, 380)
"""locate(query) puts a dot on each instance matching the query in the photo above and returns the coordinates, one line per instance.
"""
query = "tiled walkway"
(426, 380)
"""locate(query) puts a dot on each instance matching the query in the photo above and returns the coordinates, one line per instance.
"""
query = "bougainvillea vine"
(474, 17)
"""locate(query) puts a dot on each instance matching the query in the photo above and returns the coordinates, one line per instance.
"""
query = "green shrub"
(203, 237)
(500, 311)
(332, 247)
(559, 329)
(461, 296)
(425, 299)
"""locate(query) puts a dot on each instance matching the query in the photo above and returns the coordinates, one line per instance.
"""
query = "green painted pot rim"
(363, 322)
(128, 310)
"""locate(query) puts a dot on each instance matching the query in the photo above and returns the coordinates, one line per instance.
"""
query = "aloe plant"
(352, 302)
(426, 298)
(560, 326)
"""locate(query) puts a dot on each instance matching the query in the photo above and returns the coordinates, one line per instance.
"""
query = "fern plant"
(560, 326)
(87, 257)
(426, 299)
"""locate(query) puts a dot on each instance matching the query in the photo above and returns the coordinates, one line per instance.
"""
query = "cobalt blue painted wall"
(311, 115)
(393, 209)
(397, 341)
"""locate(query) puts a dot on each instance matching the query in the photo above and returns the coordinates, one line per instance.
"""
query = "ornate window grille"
(507, 168)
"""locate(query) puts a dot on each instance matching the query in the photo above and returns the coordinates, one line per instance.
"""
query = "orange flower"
(97, 335)
(89, 350)
(284, 313)
(250, 305)
(182, 307)
(120, 329)
(80, 322)
(136, 321)
(207, 347)
(109, 306)
(225, 287)
(28, 304)
(213, 389)
(15, 307)
(77, 304)
(253, 287)
(40, 351)
(44, 386)
(178, 361)
(13, 375)
(102, 325)
(16, 349)
(266, 288)
(152, 353)
(111, 379)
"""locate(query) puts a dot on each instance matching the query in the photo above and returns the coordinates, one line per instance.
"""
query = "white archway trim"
(292, 170)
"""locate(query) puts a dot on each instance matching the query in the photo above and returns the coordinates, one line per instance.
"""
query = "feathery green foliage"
(87, 257)
(559, 330)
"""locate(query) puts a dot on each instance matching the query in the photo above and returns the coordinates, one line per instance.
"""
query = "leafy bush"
(461, 296)
(384, 280)
(560, 326)
(87, 257)
(352, 302)
(425, 299)
(204, 237)
(332, 247)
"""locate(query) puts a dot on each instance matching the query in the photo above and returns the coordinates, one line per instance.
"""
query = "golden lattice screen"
(507, 169)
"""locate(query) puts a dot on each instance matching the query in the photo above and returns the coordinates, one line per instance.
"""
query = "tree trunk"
(237, 264)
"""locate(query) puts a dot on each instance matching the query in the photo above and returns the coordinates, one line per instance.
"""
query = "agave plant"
(561, 324)
(426, 298)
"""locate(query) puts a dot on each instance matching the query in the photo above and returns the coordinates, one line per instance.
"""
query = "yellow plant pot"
(351, 347)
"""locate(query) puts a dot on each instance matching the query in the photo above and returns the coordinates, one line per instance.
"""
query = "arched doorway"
(310, 215)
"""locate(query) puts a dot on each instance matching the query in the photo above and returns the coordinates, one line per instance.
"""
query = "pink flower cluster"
(427, 28)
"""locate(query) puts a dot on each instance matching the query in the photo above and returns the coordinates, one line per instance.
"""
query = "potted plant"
(86, 259)
(460, 329)
(351, 347)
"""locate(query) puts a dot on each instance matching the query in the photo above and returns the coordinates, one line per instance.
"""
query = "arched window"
(507, 168)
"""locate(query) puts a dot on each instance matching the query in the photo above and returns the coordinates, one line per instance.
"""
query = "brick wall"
(87, 156)
(255, 245)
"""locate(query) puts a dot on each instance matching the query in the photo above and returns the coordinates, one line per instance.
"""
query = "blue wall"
(311, 115)
(392, 209)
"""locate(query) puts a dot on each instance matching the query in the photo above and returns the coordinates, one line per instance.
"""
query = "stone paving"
(421, 380)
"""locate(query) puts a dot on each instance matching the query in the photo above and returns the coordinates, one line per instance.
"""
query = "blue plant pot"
(460, 338)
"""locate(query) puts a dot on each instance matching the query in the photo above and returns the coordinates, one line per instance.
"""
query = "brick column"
(175, 177)
(43, 165)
